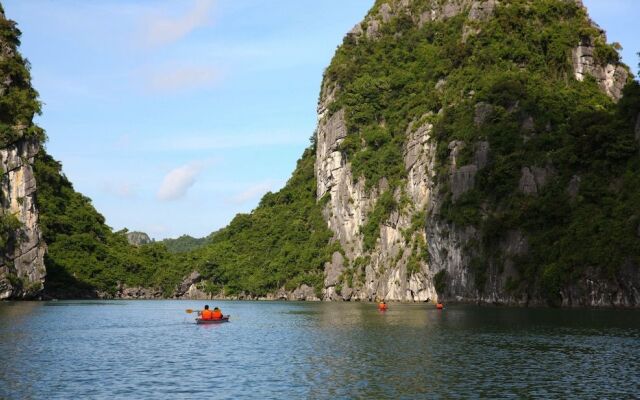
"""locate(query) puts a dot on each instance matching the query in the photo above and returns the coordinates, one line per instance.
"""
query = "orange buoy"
(439, 306)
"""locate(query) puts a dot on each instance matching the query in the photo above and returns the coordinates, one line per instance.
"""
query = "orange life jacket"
(217, 314)
(206, 314)
(382, 306)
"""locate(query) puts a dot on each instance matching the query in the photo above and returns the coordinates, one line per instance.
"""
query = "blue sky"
(173, 116)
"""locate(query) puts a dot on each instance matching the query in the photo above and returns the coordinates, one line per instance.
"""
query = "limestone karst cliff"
(466, 150)
(138, 238)
(467, 99)
(53, 243)
(22, 270)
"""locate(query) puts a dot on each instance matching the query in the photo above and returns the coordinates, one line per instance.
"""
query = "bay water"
(284, 350)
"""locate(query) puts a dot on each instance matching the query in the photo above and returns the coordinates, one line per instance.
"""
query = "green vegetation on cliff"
(18, 105)
(590, 232)
(283, 242)
(185, 243)
(19, 101)
(538, 116)
(507, 81)
(84, 254)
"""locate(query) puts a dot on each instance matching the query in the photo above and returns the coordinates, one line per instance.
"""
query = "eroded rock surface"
(22, 269)
(138, 238)
(391, 269)
(610, 77)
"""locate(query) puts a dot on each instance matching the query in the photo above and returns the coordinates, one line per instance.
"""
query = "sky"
(175, 115)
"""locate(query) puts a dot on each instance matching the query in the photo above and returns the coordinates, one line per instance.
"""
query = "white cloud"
(253, 192)
(123, 190)
(182, 78)
(178, 181)
(162, 30)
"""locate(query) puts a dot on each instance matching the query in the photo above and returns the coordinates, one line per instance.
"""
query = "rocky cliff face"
(22, 269)
(138, 238)
(382, 272)
(22, 249)
(435, 261)
(611, 77)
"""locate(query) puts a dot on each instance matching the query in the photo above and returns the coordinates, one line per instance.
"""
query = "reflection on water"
(152, 349)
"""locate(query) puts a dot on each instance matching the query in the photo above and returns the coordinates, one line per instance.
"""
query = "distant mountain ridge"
(185, 243)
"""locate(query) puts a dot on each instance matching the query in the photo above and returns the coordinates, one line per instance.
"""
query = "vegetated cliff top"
(185, 243)
(18, 99)
(138, 238)
(532, 83)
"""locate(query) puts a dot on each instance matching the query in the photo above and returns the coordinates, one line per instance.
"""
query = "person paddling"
(206, 314)
(217, 313)
(382, 306)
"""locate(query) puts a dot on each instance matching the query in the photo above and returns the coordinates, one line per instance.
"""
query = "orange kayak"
(201, 321)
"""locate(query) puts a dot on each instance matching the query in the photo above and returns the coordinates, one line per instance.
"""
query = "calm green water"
(152, 349)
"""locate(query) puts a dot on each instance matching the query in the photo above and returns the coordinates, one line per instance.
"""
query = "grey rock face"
(442, 10)
(390, 269)
(132, 293)
(334, 269)
(22, 269)
(431, 11)
(541, 175)
(356, 31)
(574, 187)
(138, 238)
(482, 10)
(528, 125)
(329, 162)
(483, 111)
(304, 293)
(527, 182)
(623, 290)
(348, 200)
(463, 180)
(446, 248)
(481, 154)
(385, 12)
(610, 77)
(533, 179)
(188, 285)
(385, 275)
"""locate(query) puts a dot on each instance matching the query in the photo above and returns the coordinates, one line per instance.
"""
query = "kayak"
(201, 321)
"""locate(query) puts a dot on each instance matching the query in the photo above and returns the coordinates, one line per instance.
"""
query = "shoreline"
(394, 302)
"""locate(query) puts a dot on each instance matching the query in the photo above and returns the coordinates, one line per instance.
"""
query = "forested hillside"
(86, 256)
(466, 150)
(284, 242)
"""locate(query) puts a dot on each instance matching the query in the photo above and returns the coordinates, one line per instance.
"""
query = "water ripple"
(151, 349)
